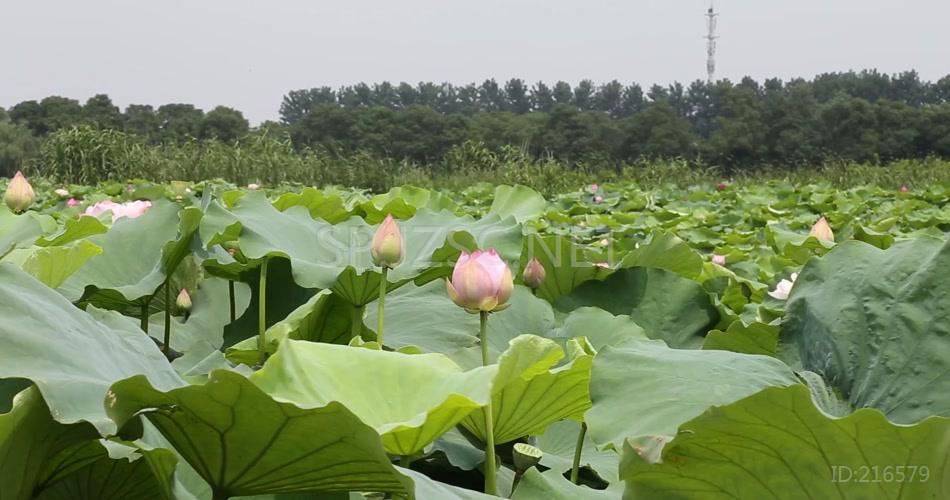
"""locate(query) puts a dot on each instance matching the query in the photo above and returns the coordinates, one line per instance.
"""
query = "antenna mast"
(711, 37)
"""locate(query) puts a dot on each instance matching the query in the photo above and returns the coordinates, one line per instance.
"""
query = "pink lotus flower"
(904, 188)
(719, 259)
(598, 199)
(822, 230)
(722, 186)
(183, 301)
(131, 209)
(594, 188)
(481, 282)
(783, 288)
(602, 264)
(534, 273)
(19, 195)
(62, 193)
(72, 202)
(388, 246)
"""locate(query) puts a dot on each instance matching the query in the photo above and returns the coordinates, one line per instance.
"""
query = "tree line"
(863, 116)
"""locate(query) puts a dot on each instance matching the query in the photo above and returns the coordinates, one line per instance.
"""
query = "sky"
(247, 54)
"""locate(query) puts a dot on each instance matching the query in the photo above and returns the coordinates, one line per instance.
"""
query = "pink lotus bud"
(72, 202)
(783, 288)
(19, 195)
(719, 259)
(62, 193)
(598, 199)
(481, 282)
(904, 188)
(722, 186)
(388, 247)
(822, 230)
(534, 273)
(594, 188)
(183, 301)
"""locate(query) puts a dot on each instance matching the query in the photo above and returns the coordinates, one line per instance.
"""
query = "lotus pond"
(202, 341)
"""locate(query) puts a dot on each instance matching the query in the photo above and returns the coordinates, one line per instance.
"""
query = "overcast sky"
(247, 53)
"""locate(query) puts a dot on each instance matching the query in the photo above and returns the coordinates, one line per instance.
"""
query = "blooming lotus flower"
(481, 282)
(822, 230)
(719, 259)
(72, 202)
(598, 199)
(783, 288)
(62, 193)
(183, 301)
(534, 273)
(388, 246)
(19, 195)
(131, 209)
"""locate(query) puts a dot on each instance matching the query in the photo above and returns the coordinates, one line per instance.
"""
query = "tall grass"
(85, 155)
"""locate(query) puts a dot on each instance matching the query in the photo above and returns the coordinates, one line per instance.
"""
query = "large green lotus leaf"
(54, 264)
(559, 442)
(243, 442)
(796, 246)
(448, 329)
(18, 231)
(202, 333)
(71, 355)
(776, 444)
(410, 399)
(338, 256)
(644, 388)
(321, 206)
(403, 202)
(41, 458)
(428, 488)
(530, 392)
(600, 327)
(72, 230)
(566, 264)
(324, 318)
(551, 485)
(876, 325)
(137, 255)
(666, 251)
(520, 202)
(754, 338)
(667, 306)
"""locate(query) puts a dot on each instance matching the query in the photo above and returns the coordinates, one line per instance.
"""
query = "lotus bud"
(604, 265)
(719, 259)
(72, 202)
(388, 247)
(534, 273)
(525, 456)
(598, 199)
(183, 301)
(19, 195)
(594, 188)
(481, 282)
(904, 188)
(722, 186)
(822, 230)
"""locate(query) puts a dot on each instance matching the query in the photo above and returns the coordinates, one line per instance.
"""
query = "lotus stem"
(143, 318)
(166, 347)
(382, 307)
(575, 468)
(231, 300)
(490, 483)
(405, 461)
(262, 313)
(356, 322)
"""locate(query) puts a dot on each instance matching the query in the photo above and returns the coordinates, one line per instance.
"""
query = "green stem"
(405, 461)
(231, 299)
(356, 322)
(382, 306)
(166, 347)
(490, 487)
(262, 313)
(219, 496)
(143, 318)
(517, 479)
(575, 468)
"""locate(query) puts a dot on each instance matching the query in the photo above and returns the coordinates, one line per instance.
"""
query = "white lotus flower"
(783, 288)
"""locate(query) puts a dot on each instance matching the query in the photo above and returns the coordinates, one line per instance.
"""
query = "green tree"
(100, 112)
(141, 120)
(179, 122)
(224, 123)
(657, 132)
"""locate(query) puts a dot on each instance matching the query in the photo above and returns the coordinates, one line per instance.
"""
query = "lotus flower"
(602, 264)
(904, 188)
(183, 301)
(822, 230)
(722, 186)
(72, 202)
(19, 195)
(534, 273)
(388, 246)
(783, 288)
(719, 259)
(594, 187)
(481, 282)
(604, 242)
(62, 193)
(598, 199)
(253, 186)
(131, 209)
